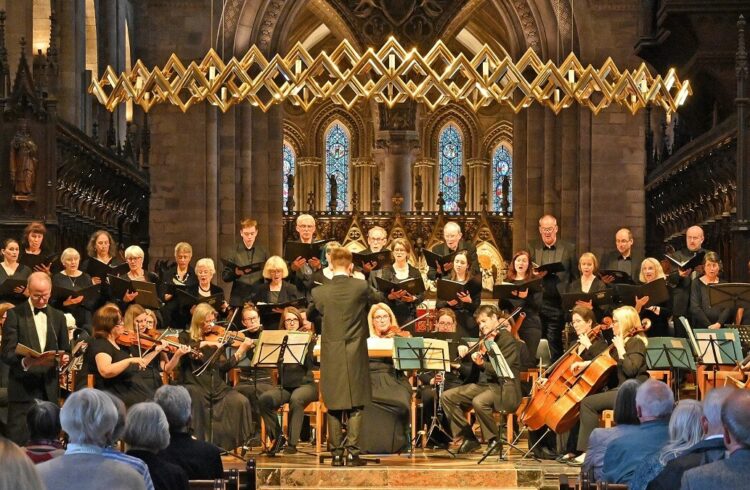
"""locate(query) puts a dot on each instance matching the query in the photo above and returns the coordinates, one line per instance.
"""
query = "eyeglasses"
(445, 324)
(548, 229)
(40, 296)
(291, 320)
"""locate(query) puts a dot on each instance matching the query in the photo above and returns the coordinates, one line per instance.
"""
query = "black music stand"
(729, 295)
(714, 347)
(416, 354)
(671, 353)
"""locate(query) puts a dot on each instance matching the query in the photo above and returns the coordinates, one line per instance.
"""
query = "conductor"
(344, 368)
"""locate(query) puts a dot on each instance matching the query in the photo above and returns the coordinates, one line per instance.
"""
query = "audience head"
(89, 417)
(18, 470)
(146, 428)
(43, 420)
(684, 429)
(694, 238)
(121, 414)
(39, 288)
(654, 400)
(452, 234)
(548, 229)
(651, 270)
(624, 241)
(712, 404)
(735, 416)
(176, 403)
(101, 244)
(275, 268)
(625, 410)
(248, 232)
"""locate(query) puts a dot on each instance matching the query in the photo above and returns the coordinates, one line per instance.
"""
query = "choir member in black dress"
(651, 270)
(114, 368)
(101, 247)
(180, 275)
(588, 266)
(520, 271)
(10, 268)
(275, 290)
(134, 257)
(232, 417)
(403, 304)
(301, 268)
(247, 253)
(630, 355)
(386, 418)
(704, 315)
(467, 302)
(71, 277)
(453, 243)
(681, 280)
(296, 387)
(205, 270)
(137, 318)
(33, 239)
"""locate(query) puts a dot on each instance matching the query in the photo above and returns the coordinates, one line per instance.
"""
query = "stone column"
(308, 179)
(397, 150)
(741, 226)
(425, 168)
(19, 24)
(364, 171)
(478, 180)
(71, 19)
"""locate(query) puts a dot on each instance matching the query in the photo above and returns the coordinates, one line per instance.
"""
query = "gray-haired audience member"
(200, 460)
(626, 419)
(146, 433)
(18, 472)
(734, 471)
(710, 449)
(89, 418)
(654, 402)
(43, 421)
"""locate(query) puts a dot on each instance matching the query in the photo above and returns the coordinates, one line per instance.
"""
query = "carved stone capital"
(363, 162)
(309, 161)
(477, 163)
(425, 163)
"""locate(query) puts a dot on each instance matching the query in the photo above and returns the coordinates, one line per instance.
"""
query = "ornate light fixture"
(390, 75)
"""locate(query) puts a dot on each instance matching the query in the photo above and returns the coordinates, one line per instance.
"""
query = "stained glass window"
(502, 166)
(288, 169)
(451, 165)
(337, 163)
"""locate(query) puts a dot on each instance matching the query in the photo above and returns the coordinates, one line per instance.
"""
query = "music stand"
(716, 347)
(671, 353)
(729, 295)
(276, 348)
(423, 355)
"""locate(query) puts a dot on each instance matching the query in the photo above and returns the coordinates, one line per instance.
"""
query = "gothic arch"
(498, 133)
(463, 118)
(323, 117)
(295, 137)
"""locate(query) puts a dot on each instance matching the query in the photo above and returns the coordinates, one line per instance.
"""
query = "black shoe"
(278, 444)
(355, 460)
(337, 460)
(495, 445)
(290, 449)
(545, 453)
(468, 446)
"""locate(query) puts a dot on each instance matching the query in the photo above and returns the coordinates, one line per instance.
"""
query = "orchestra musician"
(623, 258)
(490, 391)
(467, 301)
(138, 318)
(630, 354)
(247, 253)
(296, 387)
(703, 314)
(386, 418)
(33, 239)
(520, 271)
(134, 257)
(344, 369)
(302, 268)
(179, 275)
(71, 277)
(12, 269)
(275, 289)
(651, 270)
(403, 304)
(453, 242)
(231, 423)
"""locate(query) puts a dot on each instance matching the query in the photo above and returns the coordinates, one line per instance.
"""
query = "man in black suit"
(377, 238)
(733, 471)
(36, 325)
(247, 253)
(623, 259)
(344, 363)
(681, 280)
(548, 251)
(454, 242)
(710, 449)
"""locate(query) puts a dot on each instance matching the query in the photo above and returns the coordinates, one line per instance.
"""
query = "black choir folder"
(620, 276)
(147, 296)
(89, 293)
(598, 299)
(246, 269)
(448, 290)
(32, 261)
(551, 268)
(267, 308)
(432, 258)
(7, 287)
(656, 291)
(413, 286)
(307, 251)
(690, 263)
(381, 259)
(187, 300)
(97, 268)
(505, 290)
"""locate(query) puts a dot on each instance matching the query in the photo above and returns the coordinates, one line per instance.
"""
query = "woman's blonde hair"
(371, 314)
(18, 470)
(588, 255)
(133, 312)
(200, 313)
(628, 319)
(275, 262)
(657, 267)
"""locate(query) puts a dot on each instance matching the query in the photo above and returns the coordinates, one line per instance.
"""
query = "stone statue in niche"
(333, 192)
(23, 162)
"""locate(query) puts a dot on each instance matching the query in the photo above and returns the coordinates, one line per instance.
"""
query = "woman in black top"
(180, 275)
(204, 288)
(33, 250)
(72, 278)
(138, 318)
(101, 249)
(134, 257)
(403, 304)
(520, 271)
(467, 301)
(274, 290)
(658, 315)
(588, 266)
(296, 387)
(704, 315)
(10, 268)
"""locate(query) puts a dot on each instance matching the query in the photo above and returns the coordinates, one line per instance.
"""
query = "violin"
(396, 331)
(148, 341)
(219, 334)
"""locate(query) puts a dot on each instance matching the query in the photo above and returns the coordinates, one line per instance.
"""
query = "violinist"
(403, 304)
(520, 271)
(232, 417)
(114, 368)
(651, 270)
(386, 418)
(72, 278)
(298, 390)
(629, 350)
(139, 319)
(490, 391)
(275, 289)
(467, 301)
(10, 268)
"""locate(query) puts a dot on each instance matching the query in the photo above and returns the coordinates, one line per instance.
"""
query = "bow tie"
(39, 310)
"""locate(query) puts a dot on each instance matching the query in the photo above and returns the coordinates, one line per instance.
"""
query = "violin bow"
(502, 324)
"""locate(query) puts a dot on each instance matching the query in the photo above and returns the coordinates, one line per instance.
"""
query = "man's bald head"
(694, 238)
(39, 288)
(548, 229)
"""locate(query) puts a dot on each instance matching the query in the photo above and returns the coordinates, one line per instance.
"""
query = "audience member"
(146, 433)
(710, 449)
(684, 432)
(654, 402)
(626, 420)
(43, 420)
(18, 471)
(200, 460)
(733, 471)
(89, 418)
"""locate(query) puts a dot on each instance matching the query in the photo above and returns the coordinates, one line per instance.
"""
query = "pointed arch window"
(502, 166)
(450, 145)
(290, 160)
(338, 149)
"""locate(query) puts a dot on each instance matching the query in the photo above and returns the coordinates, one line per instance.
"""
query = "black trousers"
(298, 399)
(353, 428)
(591, 407)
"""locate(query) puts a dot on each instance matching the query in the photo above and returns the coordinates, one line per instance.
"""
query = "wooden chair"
(90, 381)
(661, 375)
(219, 484)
